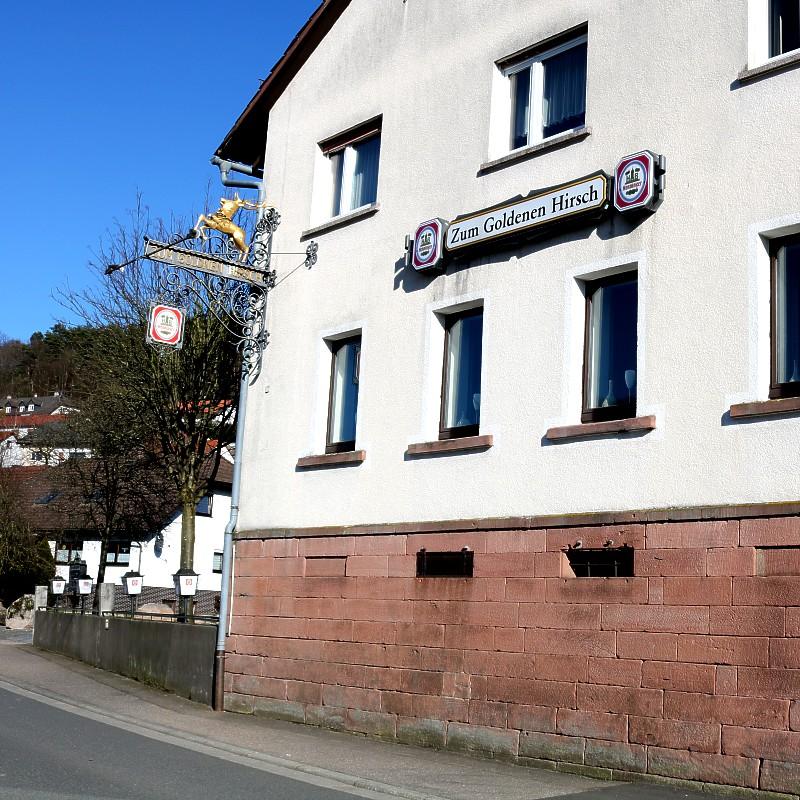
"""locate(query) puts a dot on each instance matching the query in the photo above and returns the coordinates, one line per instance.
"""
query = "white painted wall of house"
(15, 453)
(660, 76)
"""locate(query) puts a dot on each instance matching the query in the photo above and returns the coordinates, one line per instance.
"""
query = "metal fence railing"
(199, 619)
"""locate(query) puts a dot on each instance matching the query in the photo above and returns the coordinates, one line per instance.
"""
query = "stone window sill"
(765, 408)
(525, 153)
(630, 425)
(450, 445)
(341, 220)
(773, 65)
(331, 459)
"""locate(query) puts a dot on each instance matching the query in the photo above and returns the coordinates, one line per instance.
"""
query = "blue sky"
(101, 100)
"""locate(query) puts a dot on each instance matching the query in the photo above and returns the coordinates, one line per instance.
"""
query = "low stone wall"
(172, 656)
(688, 670)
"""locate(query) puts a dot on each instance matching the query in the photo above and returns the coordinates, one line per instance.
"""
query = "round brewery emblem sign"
(166, 325)
(426, 252)
(634, 181)
(425, 244)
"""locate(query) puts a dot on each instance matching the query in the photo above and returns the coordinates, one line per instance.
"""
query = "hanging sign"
(584, 197)
(638, 182)
(428, 245)
(202, 262)
(165, 325)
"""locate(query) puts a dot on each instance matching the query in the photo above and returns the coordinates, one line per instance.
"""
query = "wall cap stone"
(656, 515)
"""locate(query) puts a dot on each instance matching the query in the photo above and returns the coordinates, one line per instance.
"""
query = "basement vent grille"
(447, 564)
(601, 562)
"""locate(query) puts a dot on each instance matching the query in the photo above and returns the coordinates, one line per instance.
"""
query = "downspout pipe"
(225, 168)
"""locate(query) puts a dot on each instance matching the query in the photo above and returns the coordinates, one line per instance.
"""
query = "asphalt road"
(88, 734)
(48, 753)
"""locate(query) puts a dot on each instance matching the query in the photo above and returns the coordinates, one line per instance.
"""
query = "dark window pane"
(344, 392)
(788, 314)
(612, 377)
(463, 375)
(784, 26)
(204, 506)
(521, 106)
(564, 98)
(365, 175)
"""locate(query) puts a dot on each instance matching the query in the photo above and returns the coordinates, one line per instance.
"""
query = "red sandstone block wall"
(690, 669)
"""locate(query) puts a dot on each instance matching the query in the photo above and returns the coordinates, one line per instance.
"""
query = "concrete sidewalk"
(387, 769)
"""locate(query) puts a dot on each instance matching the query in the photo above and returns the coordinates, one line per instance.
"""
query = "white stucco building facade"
(552, 482)
(431, 74)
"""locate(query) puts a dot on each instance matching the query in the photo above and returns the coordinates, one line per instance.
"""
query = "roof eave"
(245, 141)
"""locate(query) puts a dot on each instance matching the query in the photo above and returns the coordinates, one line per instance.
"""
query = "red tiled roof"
(11, 422)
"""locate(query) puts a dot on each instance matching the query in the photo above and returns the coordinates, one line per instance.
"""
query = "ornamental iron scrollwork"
(228, 281)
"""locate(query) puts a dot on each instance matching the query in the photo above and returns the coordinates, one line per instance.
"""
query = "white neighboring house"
(158, 557)
(20, 424)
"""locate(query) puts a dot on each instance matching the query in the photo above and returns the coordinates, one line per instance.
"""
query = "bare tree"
(184, 401)
(120, 492)
(25, 560)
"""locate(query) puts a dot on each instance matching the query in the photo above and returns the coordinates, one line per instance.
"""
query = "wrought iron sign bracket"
(213, 268)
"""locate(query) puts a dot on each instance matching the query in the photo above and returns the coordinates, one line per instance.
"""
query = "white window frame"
(320, 402)
(535, 102)
(325, 175)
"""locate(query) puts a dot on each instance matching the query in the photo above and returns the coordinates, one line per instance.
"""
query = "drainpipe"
(225, 168)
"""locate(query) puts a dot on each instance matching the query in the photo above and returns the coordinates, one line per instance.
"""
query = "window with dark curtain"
(355, 175)
(461, 408)
(548, 93)
(365, 174)
(610, 358)
(786, 318)
(344, 395)
(564, 95)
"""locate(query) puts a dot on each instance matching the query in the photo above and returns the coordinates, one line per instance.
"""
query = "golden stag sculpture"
(222, 220)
